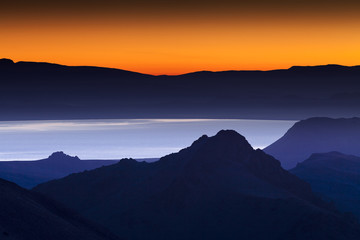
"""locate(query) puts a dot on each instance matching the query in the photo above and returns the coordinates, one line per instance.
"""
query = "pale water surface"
(115, 139)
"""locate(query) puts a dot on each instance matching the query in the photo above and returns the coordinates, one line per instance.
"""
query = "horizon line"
(185, 73)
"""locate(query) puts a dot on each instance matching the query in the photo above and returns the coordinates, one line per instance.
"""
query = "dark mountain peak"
(227, 138)
(58, 153)
(219, 183)
(200, 140)
(226, 144)
(6, 64)
(128, 161)
(230, 135)
(61, 156)
(230, 151)
(6, 61)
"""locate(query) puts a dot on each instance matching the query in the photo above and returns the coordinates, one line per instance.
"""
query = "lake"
(120, 138)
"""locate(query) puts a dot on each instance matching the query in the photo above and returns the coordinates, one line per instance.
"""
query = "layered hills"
(30, 173)
(335, 176)
(218, 188)
(316, 135)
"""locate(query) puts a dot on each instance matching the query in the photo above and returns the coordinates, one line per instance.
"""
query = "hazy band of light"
(94, 125)
(116, 139)
(91, 125)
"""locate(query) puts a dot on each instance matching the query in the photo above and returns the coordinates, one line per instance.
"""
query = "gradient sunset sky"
(171, 37)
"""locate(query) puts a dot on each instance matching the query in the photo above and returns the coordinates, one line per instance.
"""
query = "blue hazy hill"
(335, 176)
(28, 174)
(316, 135)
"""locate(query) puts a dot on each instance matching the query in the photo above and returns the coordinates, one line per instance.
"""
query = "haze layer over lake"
(116, 139)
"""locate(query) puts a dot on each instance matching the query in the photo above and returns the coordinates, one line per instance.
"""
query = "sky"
(174, 37)
(116, 139)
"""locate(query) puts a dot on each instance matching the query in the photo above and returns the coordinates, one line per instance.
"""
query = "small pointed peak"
(230, 135)
(224, 140)
(200, 140)
(228, 132)
(57, 154)
(61, 155)
(127, 161)
(223, 136)
(203, 137)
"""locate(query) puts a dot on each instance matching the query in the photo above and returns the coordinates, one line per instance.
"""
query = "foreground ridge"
(219, 187)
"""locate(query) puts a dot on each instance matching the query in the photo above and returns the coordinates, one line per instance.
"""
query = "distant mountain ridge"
(30, 173)
(49, 91)
(335, 176)
(335, 67)
(316, 135)
(218, 188)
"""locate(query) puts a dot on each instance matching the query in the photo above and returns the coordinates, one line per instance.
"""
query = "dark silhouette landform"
(27, 215)
(28, 174)
(218, 188)
(44, 91)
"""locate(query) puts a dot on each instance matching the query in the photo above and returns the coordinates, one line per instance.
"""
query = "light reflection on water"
(115, 139)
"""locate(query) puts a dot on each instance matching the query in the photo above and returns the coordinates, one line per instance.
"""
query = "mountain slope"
(218, 188)
(316, 135)
(335, 176)
(48, 91)
(28, 216)
(30, 173)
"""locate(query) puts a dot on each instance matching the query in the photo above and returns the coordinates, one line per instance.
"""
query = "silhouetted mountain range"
(335, 176)
(28, 174)
(31, 90)
(26, 215)
(218, 188)
(316, 135)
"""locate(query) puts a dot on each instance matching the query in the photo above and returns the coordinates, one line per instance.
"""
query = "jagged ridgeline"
(218, 188)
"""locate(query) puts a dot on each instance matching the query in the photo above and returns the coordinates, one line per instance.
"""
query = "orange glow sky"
(159, 37)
